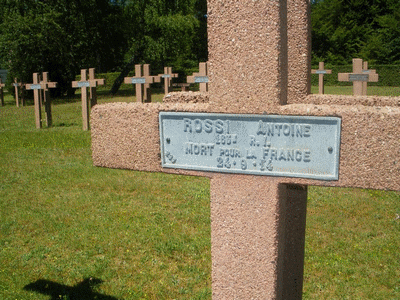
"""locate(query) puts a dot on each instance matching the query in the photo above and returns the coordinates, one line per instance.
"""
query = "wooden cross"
(83, 84)
(201, 77)
(258, 154)
(168, 75)
(366, 71)
(37, 86)
(358, 77)
(2, 85)
(321, 72)
(18, 85)
(142, 83)
(82, 290)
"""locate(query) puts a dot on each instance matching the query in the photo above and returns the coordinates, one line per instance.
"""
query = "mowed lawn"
(69, 230)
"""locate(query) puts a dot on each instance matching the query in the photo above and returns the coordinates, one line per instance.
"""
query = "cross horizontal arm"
(369, 156)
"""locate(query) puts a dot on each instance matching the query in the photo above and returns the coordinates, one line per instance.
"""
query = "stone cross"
(2, 85)
(83, 84)
(366, 71)
(37, 86)
(358, 77)
(18, 85)
(201, 77)
(321, 72)
(254, 139)
(92, 89)
(168, 75)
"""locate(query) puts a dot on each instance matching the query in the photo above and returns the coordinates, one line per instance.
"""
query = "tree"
(60, 37)
(344, 29)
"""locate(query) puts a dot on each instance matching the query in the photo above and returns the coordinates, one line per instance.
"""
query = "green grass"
(133, 235)
(348, 90)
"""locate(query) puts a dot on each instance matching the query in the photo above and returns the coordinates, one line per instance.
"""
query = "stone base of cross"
(255, 140)
(37, 86)
(359, 77)
(201, 77)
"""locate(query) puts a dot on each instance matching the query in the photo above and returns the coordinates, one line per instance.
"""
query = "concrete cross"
(142, 83)
(2, 85)
(168, 75)
(92, 89)
(83, 84)
(358, 77)
(37, 86)
(366, 71)
(254, 140)
(18, 85)
(201, 77)
(321, 72)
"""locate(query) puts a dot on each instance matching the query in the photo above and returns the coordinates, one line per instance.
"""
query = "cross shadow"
(81, 291)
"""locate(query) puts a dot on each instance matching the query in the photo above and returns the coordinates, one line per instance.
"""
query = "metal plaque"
(35, 87)
(83, 84)
(292, 146)
(358, 77)
(140, 80)
(320, 72)
(166, 76)
(15, 84)
(200, 79)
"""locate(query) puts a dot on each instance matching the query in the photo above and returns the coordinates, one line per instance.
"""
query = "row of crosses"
(360, 76)
(143, 79)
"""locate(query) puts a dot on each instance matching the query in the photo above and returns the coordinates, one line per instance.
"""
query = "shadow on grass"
(81, 291)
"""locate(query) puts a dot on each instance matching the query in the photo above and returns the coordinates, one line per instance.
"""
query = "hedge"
(388, 75)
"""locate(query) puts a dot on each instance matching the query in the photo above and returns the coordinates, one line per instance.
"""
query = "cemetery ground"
(68, 228)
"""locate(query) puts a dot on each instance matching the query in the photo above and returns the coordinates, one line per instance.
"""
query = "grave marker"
(168, 75)
(257, 221)
(18, 85)
(321, 72)
(201, 77)
(83, 84)
(2, 85)
(142, 83)
(37, 86)
(366, 71)
(358, 77)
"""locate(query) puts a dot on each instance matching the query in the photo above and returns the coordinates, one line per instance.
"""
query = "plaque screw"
(168, 140)
(330, 149)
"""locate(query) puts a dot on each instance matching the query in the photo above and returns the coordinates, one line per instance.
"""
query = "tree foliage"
(64, 36)
(344, 29)
(59, 36)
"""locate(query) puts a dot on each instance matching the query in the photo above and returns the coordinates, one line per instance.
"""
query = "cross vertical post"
(168, 75)
(147, 92)
(93, 84)
(47, 99)
(321, 72)
(37, 86)
(201, 77)
(16, 85)
(2, 85)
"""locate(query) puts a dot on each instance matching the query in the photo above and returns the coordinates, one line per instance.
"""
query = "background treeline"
(345, 29)
(64, 36)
